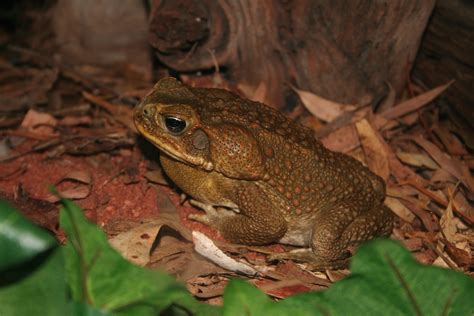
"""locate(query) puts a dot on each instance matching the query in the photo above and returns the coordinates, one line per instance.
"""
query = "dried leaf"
(430, 195)
(164, 243)
(260, 93)
(442, 176)
(415, 103)
(409, 119)
(417, 160)
(463, 258)
(136, 244)
(41, 212)
(336, 275)
(455, 167)
(450, 142)
(358, 154)
(22, 87)
(285, 288)
(80, 191)
(342, 140)
(461, 204)
(153, 228)
(34, 118)
(246, 89)
(425, 257)
(441, 262)
(96, 144)
(448, 224)
(177, 257)
(291, 270)
(207, 287)
(400, 192)
(76, 193)
(346, 119)
(323, 109)
(398, 208)
(413, 244)
(374, 149)
(75, 120)
(381, 124)
(122, 113)
(39, 123)
(421, 213)
(389, 100)
(465, 133)
(156, 176)
(79, 176)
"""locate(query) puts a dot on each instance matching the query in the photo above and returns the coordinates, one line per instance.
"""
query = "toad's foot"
(306, 255)
(213, 215)
(337, 231)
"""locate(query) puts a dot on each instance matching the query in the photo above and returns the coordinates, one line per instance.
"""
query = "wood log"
(447, 52)
(344, 50)
(102, 33)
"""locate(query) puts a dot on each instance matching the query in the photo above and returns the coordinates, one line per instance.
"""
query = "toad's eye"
(174, 125)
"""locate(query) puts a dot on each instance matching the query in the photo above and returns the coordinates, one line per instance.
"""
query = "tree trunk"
(341, 50)
(447, 52)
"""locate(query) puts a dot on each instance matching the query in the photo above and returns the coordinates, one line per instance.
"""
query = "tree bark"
(341, 50)
(447, 52)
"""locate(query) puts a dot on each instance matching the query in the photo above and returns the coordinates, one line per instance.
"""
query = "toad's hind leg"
(336, 230)
(256, 223)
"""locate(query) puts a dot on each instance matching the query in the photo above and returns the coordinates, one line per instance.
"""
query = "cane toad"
(260, 177)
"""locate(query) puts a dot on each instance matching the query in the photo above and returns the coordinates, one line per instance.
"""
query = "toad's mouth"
(196, 162)
(171, 154)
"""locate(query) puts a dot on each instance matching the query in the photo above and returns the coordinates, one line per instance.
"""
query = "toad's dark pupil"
(175, 125)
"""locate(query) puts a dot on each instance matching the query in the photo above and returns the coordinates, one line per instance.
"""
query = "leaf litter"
(71, 126)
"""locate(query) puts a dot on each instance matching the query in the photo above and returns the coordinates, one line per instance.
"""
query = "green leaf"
(98, 275)
(386, 280)
(309, 303)
(20, 240)
(41, 291)
(241, 298)
(80, 309)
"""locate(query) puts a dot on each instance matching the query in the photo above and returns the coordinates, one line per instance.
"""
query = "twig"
(441, 255)
(465, 217)
(106, 105)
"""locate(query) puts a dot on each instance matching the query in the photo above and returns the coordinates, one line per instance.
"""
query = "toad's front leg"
(213, 215)
(256, 223)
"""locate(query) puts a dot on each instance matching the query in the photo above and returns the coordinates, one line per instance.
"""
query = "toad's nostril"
(148, 111)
